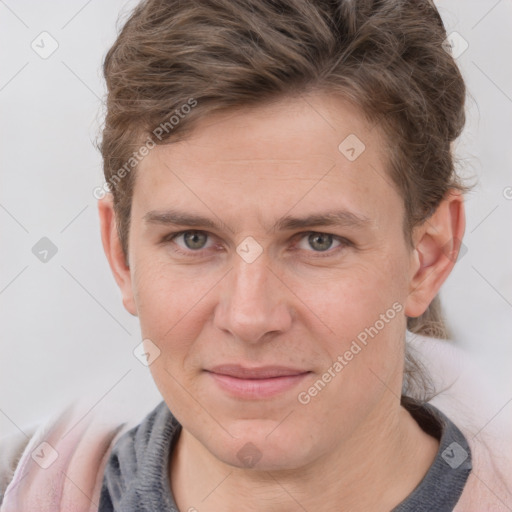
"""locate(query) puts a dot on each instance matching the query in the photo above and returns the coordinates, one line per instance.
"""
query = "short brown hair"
(387, 57)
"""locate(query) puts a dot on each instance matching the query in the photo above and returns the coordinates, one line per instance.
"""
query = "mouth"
(256, 383)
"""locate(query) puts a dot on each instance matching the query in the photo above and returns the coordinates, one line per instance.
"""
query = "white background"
(65, 333)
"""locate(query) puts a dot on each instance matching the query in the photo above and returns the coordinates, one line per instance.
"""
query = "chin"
(264, 451)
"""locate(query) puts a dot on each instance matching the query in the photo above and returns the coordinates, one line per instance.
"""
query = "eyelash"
(344, 243)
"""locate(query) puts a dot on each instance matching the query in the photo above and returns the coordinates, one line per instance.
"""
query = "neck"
(388, 455)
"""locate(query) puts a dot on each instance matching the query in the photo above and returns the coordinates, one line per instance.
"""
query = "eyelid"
(306, 235)
(343, 243)
(172, 236)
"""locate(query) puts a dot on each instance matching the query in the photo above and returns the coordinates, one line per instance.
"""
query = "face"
(296, 259)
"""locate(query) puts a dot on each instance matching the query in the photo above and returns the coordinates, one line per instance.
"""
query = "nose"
(253, 305)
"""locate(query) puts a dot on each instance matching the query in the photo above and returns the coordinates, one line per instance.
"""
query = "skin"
(299, 304)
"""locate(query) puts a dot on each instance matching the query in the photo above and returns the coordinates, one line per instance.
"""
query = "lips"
(263, 372)
(261, 383)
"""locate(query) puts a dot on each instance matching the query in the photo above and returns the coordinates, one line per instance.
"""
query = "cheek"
(365, 350)
(168, 303)
(348, 300)
(172, 312)
(363, 309)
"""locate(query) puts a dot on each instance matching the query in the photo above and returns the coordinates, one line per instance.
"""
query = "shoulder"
(11, 450)
(466, 396)
(58, 464)
(489, 483)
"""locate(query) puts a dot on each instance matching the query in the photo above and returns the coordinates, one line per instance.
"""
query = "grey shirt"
(136, 475)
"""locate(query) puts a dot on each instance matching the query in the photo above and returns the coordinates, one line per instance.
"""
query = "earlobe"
(437, 245)
(114, 252)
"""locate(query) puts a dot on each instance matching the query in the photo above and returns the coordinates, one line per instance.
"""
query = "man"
(283, 207)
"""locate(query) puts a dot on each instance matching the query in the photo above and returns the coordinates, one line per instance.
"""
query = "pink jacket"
(60, 467)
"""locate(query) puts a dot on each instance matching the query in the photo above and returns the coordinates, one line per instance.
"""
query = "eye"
(321, 242)
(192, 240)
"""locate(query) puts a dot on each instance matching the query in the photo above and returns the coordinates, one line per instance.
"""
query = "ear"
(437, 243)
(114, 252)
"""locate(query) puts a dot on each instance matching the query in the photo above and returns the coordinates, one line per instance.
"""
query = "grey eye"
(320, 241)
(194, 239)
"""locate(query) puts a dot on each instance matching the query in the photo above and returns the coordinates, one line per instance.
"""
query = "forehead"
(296, 153)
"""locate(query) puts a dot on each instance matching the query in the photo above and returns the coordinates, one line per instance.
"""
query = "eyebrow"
(343, 218)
